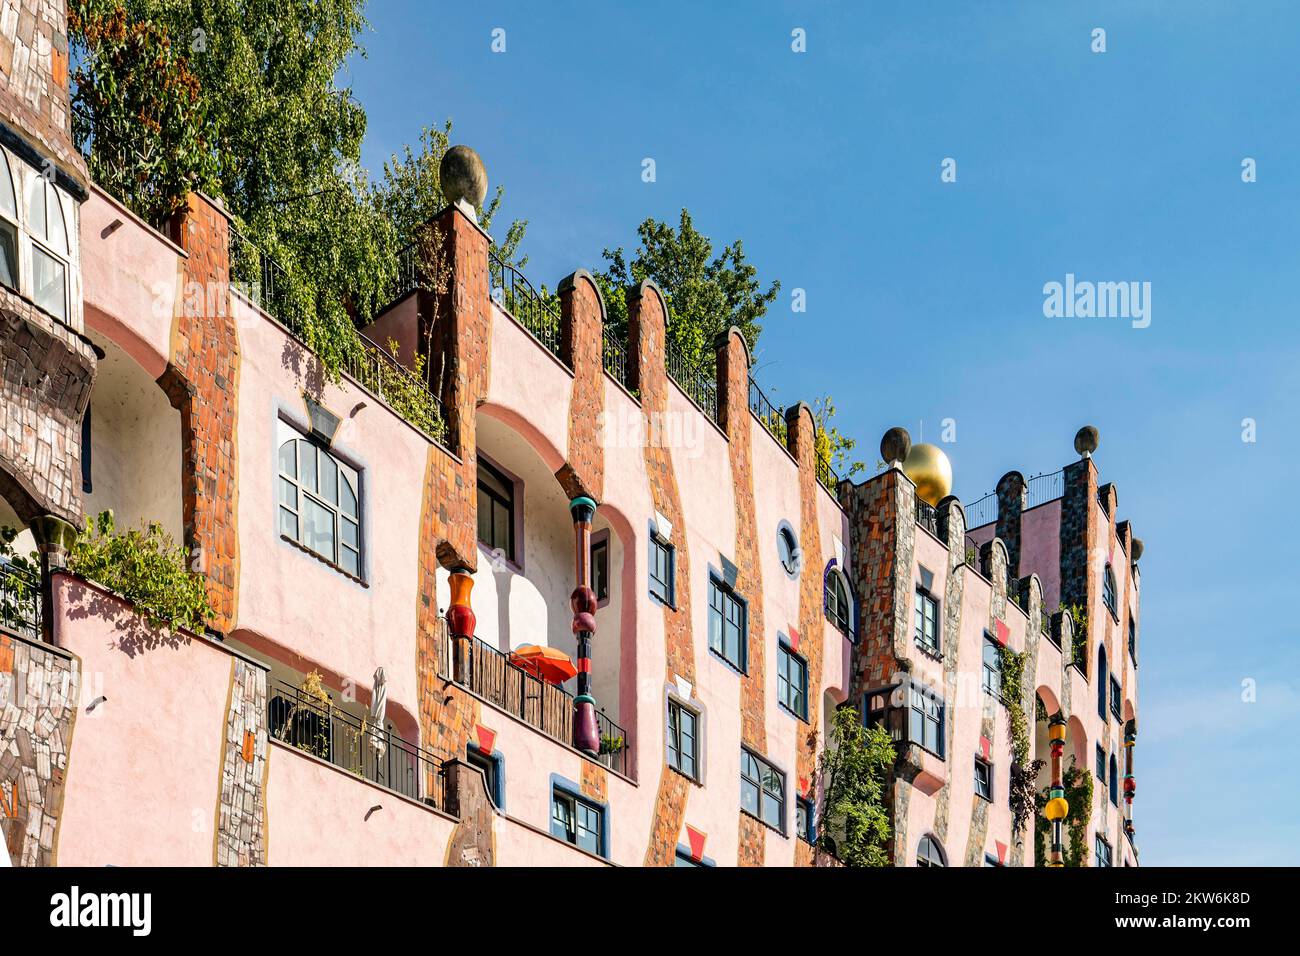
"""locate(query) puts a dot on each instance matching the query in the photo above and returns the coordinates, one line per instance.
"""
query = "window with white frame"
(319, 504)
(49, 232)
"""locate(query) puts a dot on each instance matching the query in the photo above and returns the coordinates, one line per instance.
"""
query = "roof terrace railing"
(266, 283)
(1038, 491)
(927, 517)
(772, 418)
(699, 386)
(615, 358)
(982, 512)
(368, 751)
(512, 291)
(827, 475)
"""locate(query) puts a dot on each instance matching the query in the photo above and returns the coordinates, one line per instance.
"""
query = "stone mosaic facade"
(952, 529)
(241, 803)
(39, 690)
(47, 371)
(202, 383)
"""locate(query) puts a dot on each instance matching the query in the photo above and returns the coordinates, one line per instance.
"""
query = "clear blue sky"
(925, 299)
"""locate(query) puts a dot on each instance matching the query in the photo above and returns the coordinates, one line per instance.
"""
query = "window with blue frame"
(1132, 641)
(762, 790)
(1101, 682)
(728, 628)
(925, 724)
(663, 568)
(1115, 705)
(493, 767)
(1108, 592)
(983, 779)
(683, 739)
(1101, 764)
(992, 667)
(578, 821)
(791, 681)
(1103, 852)
(1114, 781)
(838, 610)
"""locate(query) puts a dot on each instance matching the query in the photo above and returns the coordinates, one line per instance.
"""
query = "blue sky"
(925, 299)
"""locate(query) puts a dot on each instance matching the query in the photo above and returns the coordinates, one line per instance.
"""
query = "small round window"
(787, 547)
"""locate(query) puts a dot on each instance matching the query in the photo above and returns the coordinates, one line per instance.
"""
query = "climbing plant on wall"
(854, 767)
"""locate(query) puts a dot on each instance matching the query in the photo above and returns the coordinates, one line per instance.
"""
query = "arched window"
(1108, 591)
(8, 227)
(318, 504)
(929, 853)
(838, 610)
(1101, 682)
(1114, 780)
(49, 234)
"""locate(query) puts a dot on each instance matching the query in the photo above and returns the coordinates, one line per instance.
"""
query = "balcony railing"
(20, 601)
(515, 294)
(927, 517)
(615, 358)
(1044, 488)
(547, 707)
(982, 512)
(699, 386)
(266, 284)
(370, 752)
(827, 476)
(773, 418)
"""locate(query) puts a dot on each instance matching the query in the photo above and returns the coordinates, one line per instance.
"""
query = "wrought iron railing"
(927, 517)
(515, 294)
(371, 752)
(1044, 488)
(545, 706)
(982, 512)
(266, 284)
(699, 386)
(973, 556)
(399, 387)
(615, 358)
(773, 418)
(20, 601)
(827, 476)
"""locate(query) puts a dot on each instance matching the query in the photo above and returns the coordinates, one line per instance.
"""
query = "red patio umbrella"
(548, 663)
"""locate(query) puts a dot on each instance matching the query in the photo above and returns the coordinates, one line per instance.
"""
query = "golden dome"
(930, 470)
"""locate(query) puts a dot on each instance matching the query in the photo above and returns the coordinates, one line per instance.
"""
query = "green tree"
(707, 293)
(137, 110)
(832, 445)
(855, 769)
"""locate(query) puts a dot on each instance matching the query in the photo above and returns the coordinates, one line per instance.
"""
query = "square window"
(927, 621)
(728, 627)
(792, 681)
(983, 779)
(762, 790)
(925, 726)
(1101, 764)
(577, 821)
(683, 739)
(49, 283)
(1116, 706)
(662, 570)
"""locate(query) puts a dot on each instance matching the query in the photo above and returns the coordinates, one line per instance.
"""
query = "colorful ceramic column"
(461, 621)
(1130, 785)
(1057, 806)
(586, 733)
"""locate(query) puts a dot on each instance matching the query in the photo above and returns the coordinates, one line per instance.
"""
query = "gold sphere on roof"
(930, 470)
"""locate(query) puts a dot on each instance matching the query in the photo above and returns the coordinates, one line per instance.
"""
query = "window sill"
(803, 718)
(686, 776)
(931, 652)
(730, 666)
(661, 602)
(776, 830)
(323, 560)
(984, 798)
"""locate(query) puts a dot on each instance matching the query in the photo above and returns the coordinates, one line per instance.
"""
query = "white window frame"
(286, 433)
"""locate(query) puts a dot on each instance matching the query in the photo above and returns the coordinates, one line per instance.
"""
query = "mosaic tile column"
(241, 804)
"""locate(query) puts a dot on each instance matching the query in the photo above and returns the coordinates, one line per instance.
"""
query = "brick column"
(647, 320)
(202, 382)
(1078, 541)
(582, 325)
(801, 439)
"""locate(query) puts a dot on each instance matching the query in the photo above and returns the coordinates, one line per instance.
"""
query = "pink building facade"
(551, 483)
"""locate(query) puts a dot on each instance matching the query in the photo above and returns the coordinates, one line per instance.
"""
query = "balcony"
(314, 725)
(546, 707)
(927, 517)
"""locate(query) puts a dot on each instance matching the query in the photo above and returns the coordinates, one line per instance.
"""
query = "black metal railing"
(982, 512)
(399, 387)
(773, 418)
(698, 385)
(827, 476)
(545, 706)
(263, 280)
(615, 358)
(973, 556)
(1044, 488)
(927, 517)
(512, 291)
(351, 743)
(408, 273)
(20, 601)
